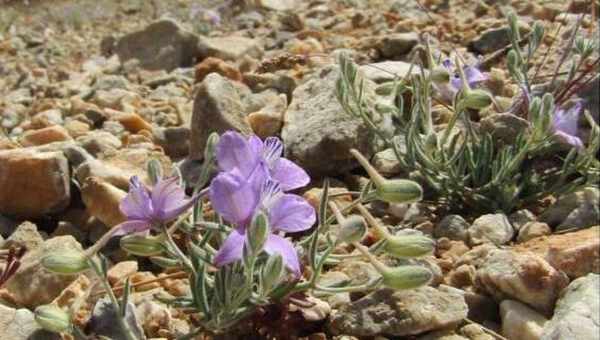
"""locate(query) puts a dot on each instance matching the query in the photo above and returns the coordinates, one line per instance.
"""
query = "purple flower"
(564, 123)
(238, 198)
(244, 155)
(151, 208)
(472, 73)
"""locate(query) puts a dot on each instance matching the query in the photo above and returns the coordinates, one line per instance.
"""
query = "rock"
(54, 133)
(520, 322)
(120, 271)
(442, 335)
(32, 285)
(494, 39)
(577, 313)
(26, 235)
(387, 70)
(280, 5)
(386, 163)
(104, 321)
(19, 324)
(33, 183)
(318, 134)
(78, 289)
(574, 210)
(217, 108)
(525, 277)
(332, 279)
(504, 126)
(175, 141)
(268, 120)
(230, 48)
(521, 217)
(492, 228)
(532, 230)
(210, 65)
(154, 317)
(453, 227)
(162, 45)
(97, 142)
(102, 200)
(576, 254)
(399, 313)
(317, 311)
(475, 332)
(132, 122)
(396, 45)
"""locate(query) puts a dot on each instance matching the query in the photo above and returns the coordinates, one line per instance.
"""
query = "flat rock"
(521, 322)
(400, 313)
(33, 183)
(230, 47)
(577, 314)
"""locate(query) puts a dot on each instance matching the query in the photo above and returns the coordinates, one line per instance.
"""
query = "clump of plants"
(245, 242)
(465, 168)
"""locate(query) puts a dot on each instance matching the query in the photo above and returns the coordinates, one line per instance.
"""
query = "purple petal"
(167, 193)
(566, 120)
(137, 205)
(291, 213)
(456, 83)
(234, 151)
(570, 139)
(132, 226)
(231, 249)
(256, 145)
(277, 244)
(273, 148)
(474, 76)
(447, 63)
(234, 197)
(289, 175)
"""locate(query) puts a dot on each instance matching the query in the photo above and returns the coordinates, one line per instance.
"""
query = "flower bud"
(70, 262)
(141, 245)
(257, 233)
(440, 75)
(409, 246)
(164, 262)
(352, 229)
(52, 318)
(271, 272)
(399, 191)
(477, 99)
(211, 144)
(406, 277)
(155, 170)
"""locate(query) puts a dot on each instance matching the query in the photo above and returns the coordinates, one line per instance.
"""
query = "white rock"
(520, 322)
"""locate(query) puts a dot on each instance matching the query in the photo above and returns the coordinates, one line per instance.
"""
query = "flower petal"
(570, 139)
(289, 175)
(234, 151)
(456, 83)
(474, 76)
(166, 194)
(273, 148)
(279, 245)
(235, 197)
(132, 226)
(232, 249)
(291, 213)
(137, 205)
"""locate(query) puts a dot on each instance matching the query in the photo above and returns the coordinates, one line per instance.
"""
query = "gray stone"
(532, 230)
(494, 39)
(26, 235)
(453, 227)
(175, 141)
(574, 210)
(577, 313)
(162, 45)
(491, 228)
(230, 48)
(217, 108)
(104, 321)
(520, 276)
(398, 44)
(520, 322)
(107, 82)
(318, 134)
(19, 324)
(521, 217)
(400, 313)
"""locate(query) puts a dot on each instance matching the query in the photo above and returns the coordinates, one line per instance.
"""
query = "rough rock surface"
(492, 228)
(19, 324)
(521, 322)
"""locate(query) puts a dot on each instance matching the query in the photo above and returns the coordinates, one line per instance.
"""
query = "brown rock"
(54, 133)
(211, 64)
(121, 271)
(102, 200)
(132, 122)
(77, 128)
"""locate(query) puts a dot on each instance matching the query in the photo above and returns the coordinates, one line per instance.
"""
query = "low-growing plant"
(464, 167)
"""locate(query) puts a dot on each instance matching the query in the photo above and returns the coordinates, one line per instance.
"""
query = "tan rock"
(521, 322)
(211, 64)
(121, 271)
(54, 133)
(102, 200)
(33, 183)
(77, 128)
(133, 122)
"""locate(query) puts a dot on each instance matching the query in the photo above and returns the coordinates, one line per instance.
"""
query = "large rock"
(218, 108)
(576, 254)
(162, 45)
(26, 235)
(525, 277)
(491, 228)
(388, 70)
(19, 324)
(230, 48)
(32, 285)
(577, 314)
(400, 313)
(33, 183)
(453, 227)
(574, 210)
(318, 134)
(520, 322)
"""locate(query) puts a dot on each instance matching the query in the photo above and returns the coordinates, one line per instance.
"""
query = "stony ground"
(90, 91)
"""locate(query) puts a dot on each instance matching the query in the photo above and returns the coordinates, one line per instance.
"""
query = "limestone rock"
(230, 47)
(520, 322)
(532, 230)
(493, 228)
(453, 227)
(26, 235)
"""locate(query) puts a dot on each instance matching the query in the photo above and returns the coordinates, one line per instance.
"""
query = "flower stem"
(383, 232)
(180, 255)
(379, 266)
(375, 176)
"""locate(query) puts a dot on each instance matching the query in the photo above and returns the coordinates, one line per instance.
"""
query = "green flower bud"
(211, 144)
(164, 262)
(406, 246)
(272, 272)
(70, 262)
(399, 191)
(155, 171)
(142, 245)
(477, 99)
(53, 319)
(257, 233)
(440, 75)
(512, 60)
(352, 229)
(406, 277)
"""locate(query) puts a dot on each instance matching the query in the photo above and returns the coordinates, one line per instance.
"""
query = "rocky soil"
(91, 91)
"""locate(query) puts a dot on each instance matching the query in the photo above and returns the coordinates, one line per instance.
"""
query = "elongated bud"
(272, 272)
(211, 144)
(407, 246)
(257, 233)
(406, 277)
(142, 245)
(440, 75)
(68, 263)
(164, 262)
(477, 99)
(352, 229)
(52, 318)
(155, 171)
